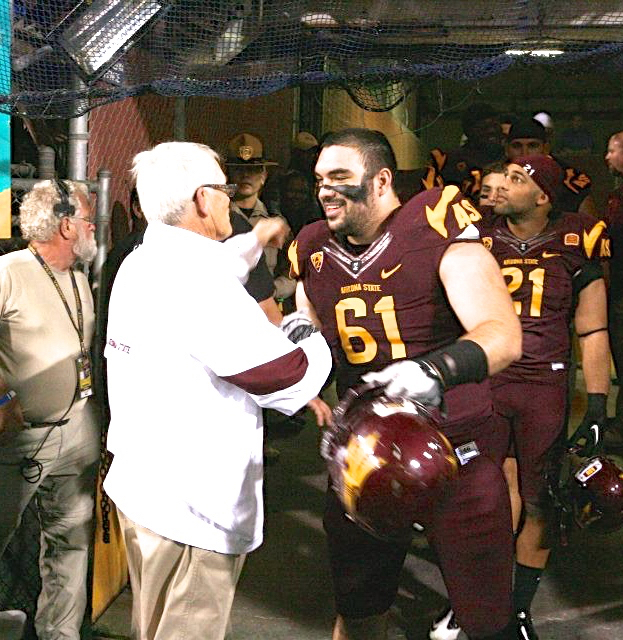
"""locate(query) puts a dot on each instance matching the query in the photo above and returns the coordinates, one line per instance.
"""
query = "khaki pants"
(178, 591)
(64, 486)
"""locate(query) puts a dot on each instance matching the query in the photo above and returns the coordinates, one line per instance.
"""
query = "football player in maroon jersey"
(463, 166)
(550, 261)
(614, 219)
(529, 137)
(409, 297)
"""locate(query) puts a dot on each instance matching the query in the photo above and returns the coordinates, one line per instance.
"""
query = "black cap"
(477, 112)
(527, 128)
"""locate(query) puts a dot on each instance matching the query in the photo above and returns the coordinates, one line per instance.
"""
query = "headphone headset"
(64, 207)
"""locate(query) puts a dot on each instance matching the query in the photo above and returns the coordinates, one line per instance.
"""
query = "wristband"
(589, 333)
(7, 397)
(463, 361)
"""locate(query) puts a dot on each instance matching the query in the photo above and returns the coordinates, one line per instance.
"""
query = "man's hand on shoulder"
(272, 232)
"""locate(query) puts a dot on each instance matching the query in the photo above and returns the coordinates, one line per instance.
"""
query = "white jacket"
(191, 361)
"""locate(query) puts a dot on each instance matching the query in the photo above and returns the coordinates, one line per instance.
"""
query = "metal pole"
(102, 218)
(78, 140)
(47, 161)
(179, 120)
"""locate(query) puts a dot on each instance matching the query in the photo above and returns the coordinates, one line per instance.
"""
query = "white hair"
(168, 176)
(37, 219)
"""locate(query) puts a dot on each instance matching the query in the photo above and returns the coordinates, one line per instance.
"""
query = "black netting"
(245, 48)
(19, 568)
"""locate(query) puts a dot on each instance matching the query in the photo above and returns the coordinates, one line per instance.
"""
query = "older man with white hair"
(49, 437)
(187, 381)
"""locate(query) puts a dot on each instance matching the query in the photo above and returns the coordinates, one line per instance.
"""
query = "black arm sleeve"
(589, 272)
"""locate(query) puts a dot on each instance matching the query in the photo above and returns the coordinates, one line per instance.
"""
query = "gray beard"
(85, 248)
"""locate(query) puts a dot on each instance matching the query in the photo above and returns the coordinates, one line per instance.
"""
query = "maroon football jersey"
(385, 301)
(539, 273)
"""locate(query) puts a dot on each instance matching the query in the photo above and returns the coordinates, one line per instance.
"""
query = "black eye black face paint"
(356, 193)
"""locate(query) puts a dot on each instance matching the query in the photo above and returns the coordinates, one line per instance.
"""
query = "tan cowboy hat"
(245, 149)
(304, 141)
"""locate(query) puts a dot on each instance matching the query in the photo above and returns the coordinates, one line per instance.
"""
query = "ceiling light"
(98, 32)
(537, 53)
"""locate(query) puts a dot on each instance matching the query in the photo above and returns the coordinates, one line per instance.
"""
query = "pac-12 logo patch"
(317, 260)
(488, 242)
(572, 240)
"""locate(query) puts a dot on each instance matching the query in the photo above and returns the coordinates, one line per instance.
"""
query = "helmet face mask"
(389, 465)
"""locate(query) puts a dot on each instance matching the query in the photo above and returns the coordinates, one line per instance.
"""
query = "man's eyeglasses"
(228, 189)
(87, 220)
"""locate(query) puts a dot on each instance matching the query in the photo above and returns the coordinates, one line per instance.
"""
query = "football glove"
(591, 428)
(297, 326)
(409, 379)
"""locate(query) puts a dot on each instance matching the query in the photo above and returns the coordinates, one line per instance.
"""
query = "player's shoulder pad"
(576, 180)
(446, 211)
(586, 232)
(438, 158)
(308, 241)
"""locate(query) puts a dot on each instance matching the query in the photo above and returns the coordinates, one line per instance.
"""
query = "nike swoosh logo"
(595, 430)
(386, 274)
(547, 254)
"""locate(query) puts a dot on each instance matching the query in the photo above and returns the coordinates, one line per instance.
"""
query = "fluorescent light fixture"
(319, 20)
(97, 33)
(537, 53)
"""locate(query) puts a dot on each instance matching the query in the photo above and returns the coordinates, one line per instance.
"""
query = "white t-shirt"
(38, 343)
(191, 361)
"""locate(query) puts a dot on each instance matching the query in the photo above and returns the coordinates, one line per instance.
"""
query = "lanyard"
(80, 326)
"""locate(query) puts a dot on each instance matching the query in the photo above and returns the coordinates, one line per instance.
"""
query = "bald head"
(614, 154)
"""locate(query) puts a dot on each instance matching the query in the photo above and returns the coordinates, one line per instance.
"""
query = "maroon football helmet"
(388, 463)
(597, 494)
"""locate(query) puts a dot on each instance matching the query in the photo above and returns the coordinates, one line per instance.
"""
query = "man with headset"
(49, 436)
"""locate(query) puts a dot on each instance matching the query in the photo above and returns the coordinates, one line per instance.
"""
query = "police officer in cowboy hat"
(246, 167)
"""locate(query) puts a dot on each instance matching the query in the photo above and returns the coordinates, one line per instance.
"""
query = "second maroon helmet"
(597, 495)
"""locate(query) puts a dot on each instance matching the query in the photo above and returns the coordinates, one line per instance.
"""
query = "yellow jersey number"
(537, 277)
(349, 333)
